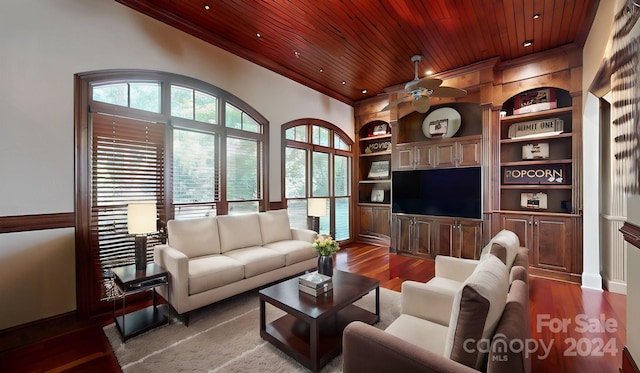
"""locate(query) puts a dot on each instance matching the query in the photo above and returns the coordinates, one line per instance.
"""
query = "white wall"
(595, 50)
(43, 44)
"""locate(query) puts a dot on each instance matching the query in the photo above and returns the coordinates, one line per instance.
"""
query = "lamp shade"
(316, 207)
(141, 218)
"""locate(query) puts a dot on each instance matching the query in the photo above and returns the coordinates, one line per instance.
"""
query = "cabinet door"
(521, 225)
(403, 234)
(468, 153)
(405, 158)
(445, 155)
(470, 238)
(422, 238)
(381, 221)
(424, 156)
(366, 219)
(552, 246)
(443, 233)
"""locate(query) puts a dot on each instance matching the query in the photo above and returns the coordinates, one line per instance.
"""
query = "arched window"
(192, 148)
(317, 163)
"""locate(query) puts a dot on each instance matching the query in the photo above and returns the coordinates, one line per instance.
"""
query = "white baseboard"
(592, 281)
(615, 286)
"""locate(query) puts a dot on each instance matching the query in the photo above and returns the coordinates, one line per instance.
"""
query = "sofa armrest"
(457, 269)
(427, 302)
(177, 264)
(304, 234)
(368, 349)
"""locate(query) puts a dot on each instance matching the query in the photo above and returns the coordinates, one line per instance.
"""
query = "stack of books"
(314, 283)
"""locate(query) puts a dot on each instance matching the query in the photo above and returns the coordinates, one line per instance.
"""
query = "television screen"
(450, 192)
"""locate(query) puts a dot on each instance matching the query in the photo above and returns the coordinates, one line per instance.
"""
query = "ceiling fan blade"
(429, 83)
(422, 104)
(448, 92)
(396, 102)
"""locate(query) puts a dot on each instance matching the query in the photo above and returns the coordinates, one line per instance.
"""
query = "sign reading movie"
(536, 174)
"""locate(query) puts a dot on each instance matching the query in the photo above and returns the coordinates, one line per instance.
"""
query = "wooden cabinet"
(414, 156)
(551, 241)
(373, 209)
(412, 236)
(441, 153)
(375, 221)
(458, 153)
(428, 236)
(458, 238)
(543, 211)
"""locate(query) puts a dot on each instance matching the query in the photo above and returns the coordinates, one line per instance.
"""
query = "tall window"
(317, 164)
(191, 148)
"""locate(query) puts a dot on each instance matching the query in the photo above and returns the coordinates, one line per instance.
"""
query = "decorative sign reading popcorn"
(542, 174)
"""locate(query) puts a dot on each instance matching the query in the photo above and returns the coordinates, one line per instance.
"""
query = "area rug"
(224, 337)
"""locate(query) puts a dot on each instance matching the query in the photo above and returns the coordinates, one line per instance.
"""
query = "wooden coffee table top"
(347, 288)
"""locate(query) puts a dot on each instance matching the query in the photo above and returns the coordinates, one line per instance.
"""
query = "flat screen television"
(450, 192)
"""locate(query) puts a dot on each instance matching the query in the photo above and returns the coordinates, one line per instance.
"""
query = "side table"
(129, 281)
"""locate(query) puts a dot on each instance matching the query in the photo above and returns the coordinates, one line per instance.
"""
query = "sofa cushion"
(509, 240)
(294, 251)
(424, 334)
(194, 237)
(257, 260)
(239, 231)
(274, 226)
(514, 328)
(213, 271)
(476, 310)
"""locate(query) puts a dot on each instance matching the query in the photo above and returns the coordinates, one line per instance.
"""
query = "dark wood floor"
(82, 348)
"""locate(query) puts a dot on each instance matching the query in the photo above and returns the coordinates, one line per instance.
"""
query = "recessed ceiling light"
(258, 35)
(297, 54)
(429, 72)
(344, 82)
(536, 16)
(207, 7)
(364, 91)
(321, 70)
(527, 43)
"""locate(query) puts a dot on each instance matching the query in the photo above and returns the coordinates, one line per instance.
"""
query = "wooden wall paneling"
(23, 223)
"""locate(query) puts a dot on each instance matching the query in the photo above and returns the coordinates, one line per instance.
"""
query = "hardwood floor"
(602, 315)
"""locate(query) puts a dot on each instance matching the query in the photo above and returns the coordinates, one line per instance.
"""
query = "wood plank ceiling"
(341, 48)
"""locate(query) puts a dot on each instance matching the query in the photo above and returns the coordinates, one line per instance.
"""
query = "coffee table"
(311, 331)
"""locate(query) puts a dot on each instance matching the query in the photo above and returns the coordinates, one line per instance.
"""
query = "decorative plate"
(443, 122)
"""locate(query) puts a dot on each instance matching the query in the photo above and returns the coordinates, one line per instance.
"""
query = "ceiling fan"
(419, 91)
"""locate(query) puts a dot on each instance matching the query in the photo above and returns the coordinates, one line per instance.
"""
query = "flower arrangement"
(325, 245)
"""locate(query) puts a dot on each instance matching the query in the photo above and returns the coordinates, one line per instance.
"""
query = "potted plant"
(326, 247)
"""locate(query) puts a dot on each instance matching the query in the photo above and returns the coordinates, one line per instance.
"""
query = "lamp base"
(313, 223)
(141, 252)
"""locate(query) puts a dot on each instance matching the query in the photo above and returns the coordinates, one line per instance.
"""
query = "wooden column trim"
(10, 224)
(631, 233)
(628, 364)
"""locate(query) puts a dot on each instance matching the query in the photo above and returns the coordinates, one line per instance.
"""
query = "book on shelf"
(314, 280)
(315, 291)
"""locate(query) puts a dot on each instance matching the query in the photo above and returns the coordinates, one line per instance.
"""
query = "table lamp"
(316, 207)
(141, 220)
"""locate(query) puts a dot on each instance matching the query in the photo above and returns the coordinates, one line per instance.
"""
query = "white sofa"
(213, 258)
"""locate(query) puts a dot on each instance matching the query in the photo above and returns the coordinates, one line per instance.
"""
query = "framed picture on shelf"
(379, 170)
(379, 129)
(533, 201)
(377, 195)
(535, 100)
(535, 151)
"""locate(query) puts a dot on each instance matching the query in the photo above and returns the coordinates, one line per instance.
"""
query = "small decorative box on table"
(314, 283)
